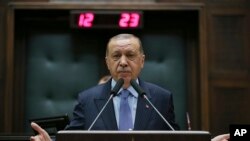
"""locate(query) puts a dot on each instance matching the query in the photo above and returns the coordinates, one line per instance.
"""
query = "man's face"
(124, 59)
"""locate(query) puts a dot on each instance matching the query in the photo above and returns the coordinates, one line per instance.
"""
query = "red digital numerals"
(86, 20)
(126, 20)
(129, 20)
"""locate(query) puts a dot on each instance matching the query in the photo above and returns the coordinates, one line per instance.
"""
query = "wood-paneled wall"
(2, 59)
(224, 63)
(228, 64)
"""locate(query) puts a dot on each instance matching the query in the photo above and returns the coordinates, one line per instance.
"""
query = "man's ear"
(143, 60)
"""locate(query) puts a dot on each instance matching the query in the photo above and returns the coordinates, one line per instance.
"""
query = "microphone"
(117, 87)
(113, 93)
(142, 93)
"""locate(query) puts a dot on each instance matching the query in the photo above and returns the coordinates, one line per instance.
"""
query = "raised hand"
(42, 134)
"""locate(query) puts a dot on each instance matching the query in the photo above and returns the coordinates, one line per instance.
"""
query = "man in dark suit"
(124, 59)
(92, 100)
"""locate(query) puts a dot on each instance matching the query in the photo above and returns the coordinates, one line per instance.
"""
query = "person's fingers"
(37, 128)
(35, 138)
(223, 137)
(226, 136)
(32, 138)
(42, 134)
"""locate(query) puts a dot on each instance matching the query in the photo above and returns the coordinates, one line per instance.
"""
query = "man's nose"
(123, 61)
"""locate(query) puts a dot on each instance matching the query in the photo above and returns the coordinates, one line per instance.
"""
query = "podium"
(70, 135)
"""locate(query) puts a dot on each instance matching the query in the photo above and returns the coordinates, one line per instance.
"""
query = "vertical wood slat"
(203, 71)
(8, 99)
(2, 61)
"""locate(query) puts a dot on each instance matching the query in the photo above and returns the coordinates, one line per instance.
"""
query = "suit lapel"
(108, 115)
(143, 111)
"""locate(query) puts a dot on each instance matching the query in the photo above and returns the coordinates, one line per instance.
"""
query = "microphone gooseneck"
(113, 93)
(142, 93)
(117, 87)
(137, 88)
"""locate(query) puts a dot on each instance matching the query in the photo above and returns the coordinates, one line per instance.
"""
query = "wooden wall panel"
(2, 43)
(228, 44)
(229, 105)
(224, 4)
(3, 36)
(143, 1)
(2, 60)
(179, 1)
(29, 0)
(229, 77)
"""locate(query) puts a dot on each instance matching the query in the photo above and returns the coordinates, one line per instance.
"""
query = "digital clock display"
(106, 19)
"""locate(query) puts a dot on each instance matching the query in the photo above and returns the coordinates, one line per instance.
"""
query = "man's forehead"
(124, 42)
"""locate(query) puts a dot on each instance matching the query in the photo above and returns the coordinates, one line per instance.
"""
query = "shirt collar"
(130, 88)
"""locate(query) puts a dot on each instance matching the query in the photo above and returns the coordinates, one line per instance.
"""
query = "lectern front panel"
(133, 136)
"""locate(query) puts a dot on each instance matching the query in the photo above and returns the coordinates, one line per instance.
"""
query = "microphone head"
(138, 89)
(117, 86)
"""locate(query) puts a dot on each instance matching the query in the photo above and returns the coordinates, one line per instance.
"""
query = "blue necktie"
(125, 116)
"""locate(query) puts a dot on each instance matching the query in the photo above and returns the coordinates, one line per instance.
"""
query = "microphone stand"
(111, 96)
(144, 96)
(113, 93)
(142, 93)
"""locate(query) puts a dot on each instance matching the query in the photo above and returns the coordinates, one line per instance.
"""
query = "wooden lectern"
(132, 135)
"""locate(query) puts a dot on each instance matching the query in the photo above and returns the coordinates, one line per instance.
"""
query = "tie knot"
(124, 93)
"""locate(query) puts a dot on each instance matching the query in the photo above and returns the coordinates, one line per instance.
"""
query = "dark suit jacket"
(91, 101)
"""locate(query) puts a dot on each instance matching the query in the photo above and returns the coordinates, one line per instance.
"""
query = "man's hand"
(42, 134)
(223, 137)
